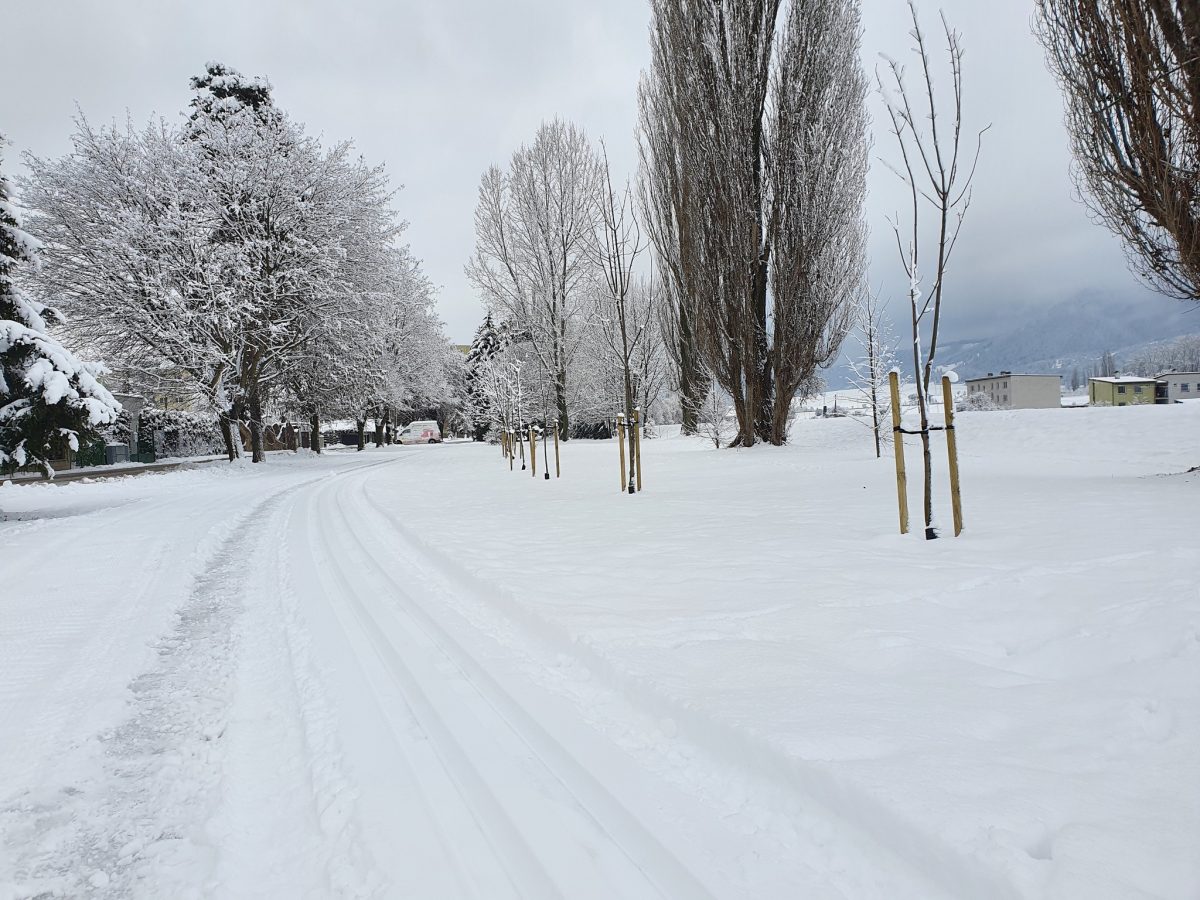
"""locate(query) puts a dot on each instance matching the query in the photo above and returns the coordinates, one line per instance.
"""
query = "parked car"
(426, 432)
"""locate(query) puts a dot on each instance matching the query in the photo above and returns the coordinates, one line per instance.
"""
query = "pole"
(621, 447)
(557, 465)
(533, 450)
(545, 456)
(952, 453)
(898, 445)
(637, 444)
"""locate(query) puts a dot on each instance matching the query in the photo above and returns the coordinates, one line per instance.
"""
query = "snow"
(410, 672)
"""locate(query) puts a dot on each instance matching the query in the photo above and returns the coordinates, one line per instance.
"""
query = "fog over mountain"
(1054, 339)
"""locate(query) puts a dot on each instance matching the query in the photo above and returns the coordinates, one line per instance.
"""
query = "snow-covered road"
(411, 673)
(317, 715)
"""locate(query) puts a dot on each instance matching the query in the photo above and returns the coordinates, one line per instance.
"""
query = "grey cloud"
(438, 91)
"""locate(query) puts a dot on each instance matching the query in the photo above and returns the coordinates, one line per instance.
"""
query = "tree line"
(234, 262)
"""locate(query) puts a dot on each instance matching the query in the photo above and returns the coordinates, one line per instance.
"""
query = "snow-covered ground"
(412, 673)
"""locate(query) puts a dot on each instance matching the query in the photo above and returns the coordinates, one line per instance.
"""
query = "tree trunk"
(560, 399)
(692, 387)
(225, 417)
(314, 439)
(362, 427)
(930, 531)
(875, 414)
(256, 426)
(780, 408)
(690, 412)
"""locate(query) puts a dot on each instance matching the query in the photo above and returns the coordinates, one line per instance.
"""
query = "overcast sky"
(440, 89)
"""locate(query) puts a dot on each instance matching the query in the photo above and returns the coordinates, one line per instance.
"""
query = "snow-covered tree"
(534, 228)
(49, 399)
(484, 346)
(870, 369)
(1179, 355)
(239, 254)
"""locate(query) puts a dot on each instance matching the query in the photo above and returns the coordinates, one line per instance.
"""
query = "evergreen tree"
(484, 348)
(48, 398)
(222, 92)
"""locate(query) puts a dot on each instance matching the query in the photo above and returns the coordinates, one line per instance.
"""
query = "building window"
(1184, 388)
(1005, 398)
(1137, 389)
(1120, 388)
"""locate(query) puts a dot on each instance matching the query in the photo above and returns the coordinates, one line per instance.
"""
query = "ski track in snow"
(467, 746)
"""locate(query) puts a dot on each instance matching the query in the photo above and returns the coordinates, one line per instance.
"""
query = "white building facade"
(1175, 386)
(1020, 391)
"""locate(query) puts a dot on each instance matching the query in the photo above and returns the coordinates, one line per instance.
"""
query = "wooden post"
(898, 446)
(533, 450)
(952, 453)
(621, 448)
(637, 444)
(557, 464)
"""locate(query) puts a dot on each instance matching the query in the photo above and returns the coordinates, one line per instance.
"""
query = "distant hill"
(1058, 338)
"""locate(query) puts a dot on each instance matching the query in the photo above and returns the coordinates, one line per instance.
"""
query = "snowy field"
(411, 673)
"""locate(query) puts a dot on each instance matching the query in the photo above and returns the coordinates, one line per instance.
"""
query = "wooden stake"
(511, 455)
(557, 464)
(952, 453)
(898, 446)
(533, 450)
(621, 448)
(637, 444)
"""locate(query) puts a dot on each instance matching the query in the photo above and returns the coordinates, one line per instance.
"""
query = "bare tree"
(937, 169)
(666, 209)
(617, 250)
(870, 370)
(818, 170)
(649, 356)
(753, 137)
(1130, 74)
(534, 229)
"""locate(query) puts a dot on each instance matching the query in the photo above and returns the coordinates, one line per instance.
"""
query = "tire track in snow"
(134, 824)
(554, 828)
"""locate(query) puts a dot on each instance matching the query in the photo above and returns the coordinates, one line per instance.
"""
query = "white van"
(425, 432)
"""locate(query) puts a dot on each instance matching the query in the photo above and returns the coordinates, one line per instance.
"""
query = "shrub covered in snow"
(977, 400)
(183, 433)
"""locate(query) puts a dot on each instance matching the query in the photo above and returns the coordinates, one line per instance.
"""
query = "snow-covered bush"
(977, 400)
(184, 433)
